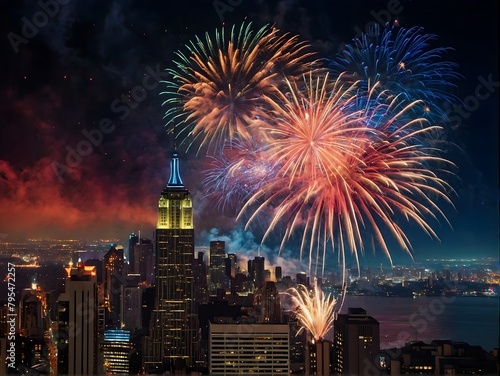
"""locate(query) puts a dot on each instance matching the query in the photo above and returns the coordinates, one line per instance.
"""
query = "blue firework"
(237, 173)
(403, 63)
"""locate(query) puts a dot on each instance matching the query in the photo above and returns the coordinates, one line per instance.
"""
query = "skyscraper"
(116, 349)
(34, 319)
(144, 260)
(356, 342)
(231, 271)
(217, 265)
(231, 265)
(278, 273)
(77, 323)
(131, 303)
(271, 304)
(132, 241)
(173, 321)
(200, 280)
(259, 262)
(113, 262)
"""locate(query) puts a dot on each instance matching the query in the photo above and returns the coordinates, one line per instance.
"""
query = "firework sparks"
(336, 161)
(237, 173)
(218, 88)
(336, 177)
(314, 310)
(403, 63)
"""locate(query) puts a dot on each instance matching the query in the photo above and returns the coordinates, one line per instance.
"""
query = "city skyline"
(112, 189)
(387, 294)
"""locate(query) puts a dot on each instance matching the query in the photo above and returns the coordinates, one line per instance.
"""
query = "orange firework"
(314, 310)
(337, 176)
(217, 89)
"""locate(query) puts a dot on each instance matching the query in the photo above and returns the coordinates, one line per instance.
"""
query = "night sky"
(76, 71)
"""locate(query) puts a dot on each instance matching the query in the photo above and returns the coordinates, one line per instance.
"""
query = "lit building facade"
(173, 326)
(77, 323)
(356, 342)
(249, 349)
(113, 263)
(271, 311)
(116, 351)
(200, 280)
(298, 343)
(144, 260)
(217, 265)
(317, 358)
(131, 303)
(33, 308)
(132, 241)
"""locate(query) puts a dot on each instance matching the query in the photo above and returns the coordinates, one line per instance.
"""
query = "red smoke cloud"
(34, 203)
(109, 194)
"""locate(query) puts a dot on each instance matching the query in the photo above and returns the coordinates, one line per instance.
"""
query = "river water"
(474, 320)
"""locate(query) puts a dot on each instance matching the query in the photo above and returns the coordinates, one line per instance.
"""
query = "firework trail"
(338, 179)
(217, 89)
(404, 63)
(314, 310)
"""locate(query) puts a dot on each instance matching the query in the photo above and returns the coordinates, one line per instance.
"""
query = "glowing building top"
(81, 272)
(175, 180)
(175, 208)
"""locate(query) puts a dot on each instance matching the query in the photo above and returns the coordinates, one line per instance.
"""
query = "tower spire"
(175, 176)
(173, 325)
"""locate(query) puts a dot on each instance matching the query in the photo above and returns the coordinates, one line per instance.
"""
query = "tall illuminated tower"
(173, 321)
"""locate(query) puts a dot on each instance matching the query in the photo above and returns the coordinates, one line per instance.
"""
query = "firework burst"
(403, 63)
(338, 179)
(336, 162)
(314, 310)
(217, 89)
